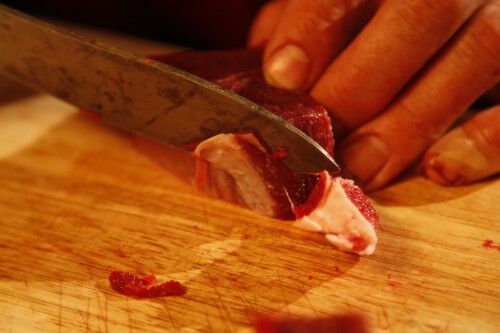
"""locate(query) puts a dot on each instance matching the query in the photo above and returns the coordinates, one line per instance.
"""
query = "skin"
(394, 75)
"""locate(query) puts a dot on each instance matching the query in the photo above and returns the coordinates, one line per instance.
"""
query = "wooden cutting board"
(77, 200)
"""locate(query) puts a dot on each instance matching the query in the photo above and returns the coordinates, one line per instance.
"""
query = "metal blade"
(141, 95)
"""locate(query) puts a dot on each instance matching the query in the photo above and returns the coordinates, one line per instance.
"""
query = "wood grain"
(77, 199)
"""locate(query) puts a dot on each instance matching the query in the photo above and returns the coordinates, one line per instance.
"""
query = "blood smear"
(191, 146)
(90, 114)
(130, 285)
(488, 243)
(392, 283)
(358, 243)
(349, 323)
(280, 152)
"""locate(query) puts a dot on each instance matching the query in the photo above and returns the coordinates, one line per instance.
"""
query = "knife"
(141, 95)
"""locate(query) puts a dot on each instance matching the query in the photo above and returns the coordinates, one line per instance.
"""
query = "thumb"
(468, 153)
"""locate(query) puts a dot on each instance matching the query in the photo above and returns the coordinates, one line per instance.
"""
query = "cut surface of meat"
(338, 208)
(240, 71)
(252, 177)
(237, 167)
(130, 285)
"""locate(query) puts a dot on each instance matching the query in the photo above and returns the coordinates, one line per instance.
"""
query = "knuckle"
(488, 137)
(486, 35)
(320, 14)
(486, 128)
(273, 5)
(432, 14)
(420, 127)
(444, 7)
(269, 9)
(490, 18)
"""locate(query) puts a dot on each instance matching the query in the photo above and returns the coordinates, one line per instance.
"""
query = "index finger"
(309, 35)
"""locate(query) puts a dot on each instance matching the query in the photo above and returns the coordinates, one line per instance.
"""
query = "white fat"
(340, 220)
(308, 224)
(223, 151)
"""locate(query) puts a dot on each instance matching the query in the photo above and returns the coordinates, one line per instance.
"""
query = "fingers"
(266, 22)
(468, 153)
(394, 45)
(378, 151)
(310, 34)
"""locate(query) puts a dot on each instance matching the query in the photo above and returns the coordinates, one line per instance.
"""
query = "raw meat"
(239, 71)
(241, 169)
(333, 324)
(488, 243)
(237, 168)
(340, 209)
(131, 285)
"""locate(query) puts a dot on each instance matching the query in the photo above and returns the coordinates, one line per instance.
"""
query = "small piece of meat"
(338, 208)
(333, 324)
(130, 285)
(488, 243)
(252, 179)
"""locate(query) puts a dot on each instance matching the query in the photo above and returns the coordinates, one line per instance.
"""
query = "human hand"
(410, 69)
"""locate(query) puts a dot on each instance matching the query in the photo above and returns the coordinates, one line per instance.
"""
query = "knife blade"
(141, 95)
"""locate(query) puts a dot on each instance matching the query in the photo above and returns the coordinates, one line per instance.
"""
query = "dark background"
(204, 24)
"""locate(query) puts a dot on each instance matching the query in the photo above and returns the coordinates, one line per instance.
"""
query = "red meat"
(131, 285)
(240, 169)
(237, 168)
(239, 71)
(333, 324)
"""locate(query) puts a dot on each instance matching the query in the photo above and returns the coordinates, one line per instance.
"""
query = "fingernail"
(288, 68)
(364, 157)
(456, 160)
(441, 170)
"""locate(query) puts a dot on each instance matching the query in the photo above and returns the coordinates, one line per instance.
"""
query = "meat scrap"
(489, 244)
(239, 168)
(130, 285)
(335, 324)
